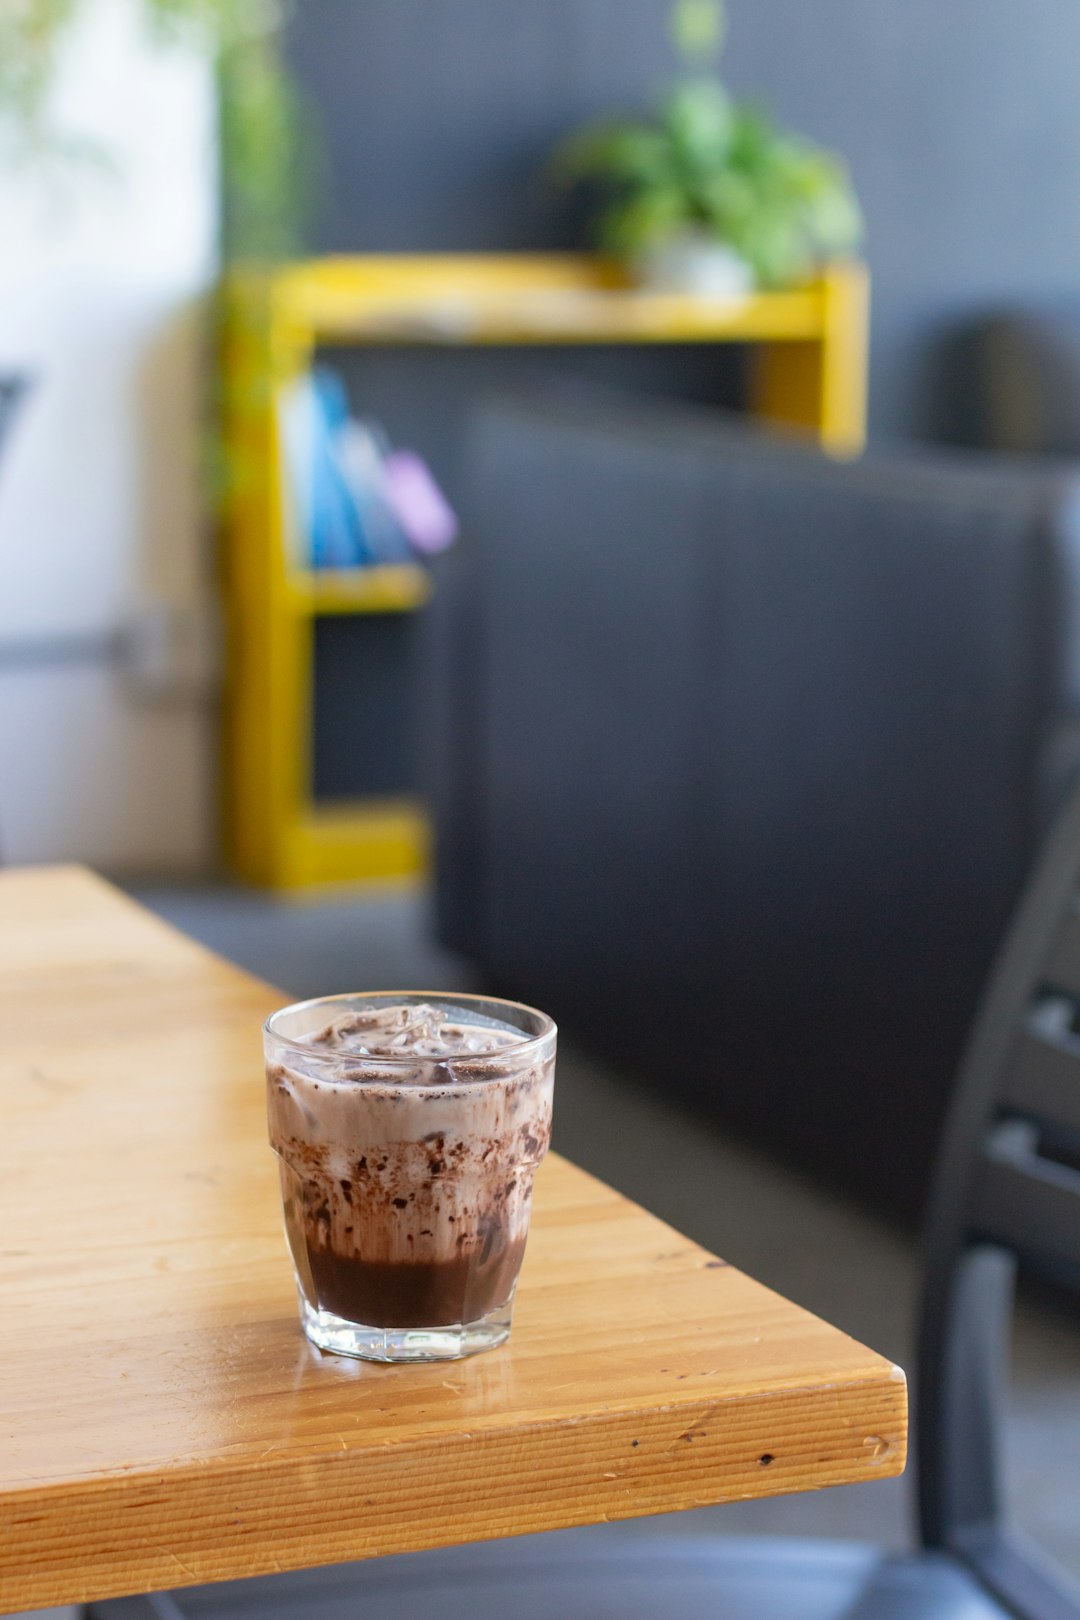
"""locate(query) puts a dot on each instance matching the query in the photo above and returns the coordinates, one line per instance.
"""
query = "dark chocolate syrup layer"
(415, 1294)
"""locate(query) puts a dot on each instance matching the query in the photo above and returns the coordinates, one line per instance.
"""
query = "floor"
(786, 1231)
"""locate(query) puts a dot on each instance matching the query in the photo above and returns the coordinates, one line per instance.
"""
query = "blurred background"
(437, 547)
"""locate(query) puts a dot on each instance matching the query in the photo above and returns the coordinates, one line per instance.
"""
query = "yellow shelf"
(546, 299)
(386, 588)
(808, 371)
(356, 841)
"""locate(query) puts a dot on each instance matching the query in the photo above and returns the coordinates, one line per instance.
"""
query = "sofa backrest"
(755, 753)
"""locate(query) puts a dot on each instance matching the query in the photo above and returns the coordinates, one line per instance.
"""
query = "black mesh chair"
(1007, 1192)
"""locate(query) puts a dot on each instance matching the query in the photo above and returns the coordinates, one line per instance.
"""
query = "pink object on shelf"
(418, 503)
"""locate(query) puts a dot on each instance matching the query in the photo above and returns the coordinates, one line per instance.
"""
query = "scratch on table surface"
(688, 1437)
(185, 1569)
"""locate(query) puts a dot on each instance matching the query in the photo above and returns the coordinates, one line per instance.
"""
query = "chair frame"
(999, 1202)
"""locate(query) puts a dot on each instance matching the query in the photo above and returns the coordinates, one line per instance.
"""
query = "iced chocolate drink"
(408, 1129)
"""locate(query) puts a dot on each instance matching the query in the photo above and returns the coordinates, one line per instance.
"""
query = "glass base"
(450, 1343)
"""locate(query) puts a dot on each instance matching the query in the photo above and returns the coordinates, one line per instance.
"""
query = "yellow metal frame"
(809, 348)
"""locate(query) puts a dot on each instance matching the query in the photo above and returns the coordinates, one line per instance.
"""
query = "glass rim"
(448, 998)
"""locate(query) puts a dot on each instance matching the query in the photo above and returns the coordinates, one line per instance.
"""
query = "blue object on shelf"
(352, 507)
(337, 539)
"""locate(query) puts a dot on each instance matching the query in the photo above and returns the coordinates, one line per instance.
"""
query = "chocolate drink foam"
(408, 1138)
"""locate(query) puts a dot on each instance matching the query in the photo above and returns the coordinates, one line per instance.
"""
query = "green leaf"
(626, 227)
(831, 209)
(699, 120)
(615, 154)
(728, 201)
(697, 29)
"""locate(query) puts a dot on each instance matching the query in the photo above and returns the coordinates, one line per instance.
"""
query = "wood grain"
(164, 1422)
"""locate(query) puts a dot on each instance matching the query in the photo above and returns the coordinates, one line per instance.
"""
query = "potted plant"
(708, 195)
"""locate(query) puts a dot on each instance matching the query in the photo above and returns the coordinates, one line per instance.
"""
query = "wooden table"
(164, 1422)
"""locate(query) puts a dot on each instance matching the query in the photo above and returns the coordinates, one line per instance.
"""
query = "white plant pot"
(695, 263)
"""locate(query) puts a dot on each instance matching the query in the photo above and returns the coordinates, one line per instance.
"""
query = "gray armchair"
(745, 754)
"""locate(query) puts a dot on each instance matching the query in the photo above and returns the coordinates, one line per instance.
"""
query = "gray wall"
(960, 118)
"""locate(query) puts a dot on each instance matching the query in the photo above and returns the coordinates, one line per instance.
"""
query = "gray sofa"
(743, 755)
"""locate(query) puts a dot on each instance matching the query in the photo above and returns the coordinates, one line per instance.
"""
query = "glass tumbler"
(407, 1176)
